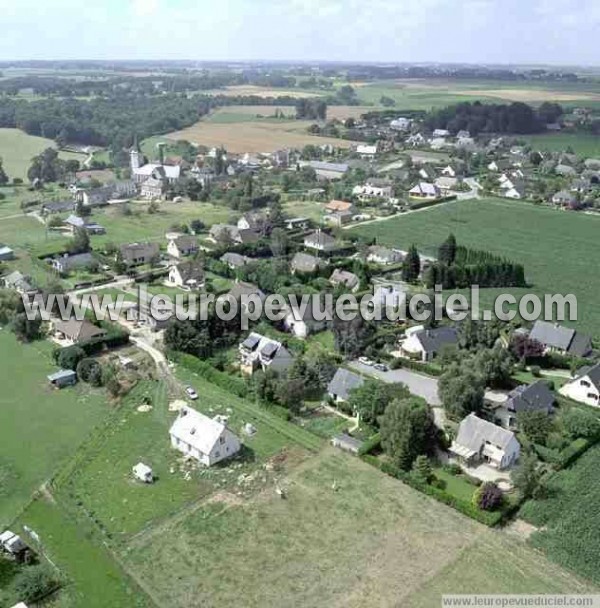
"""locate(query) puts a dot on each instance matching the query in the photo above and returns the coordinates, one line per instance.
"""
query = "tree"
(279, 242)
(186, 337)
(26, 330)
(536, 425)
(4, 179)
(407, 431)
(526, 476)
(197, 226)
(80, 243)
(290, 393)
(412, 265)
(581, 423)
(35, 582)
(488, 496)
(90, 371)
(153, 207)
(447, 251)
(69, 357)
(422, 469)
(372, 397)
(495, 366)
(461, 391)
(523, 347)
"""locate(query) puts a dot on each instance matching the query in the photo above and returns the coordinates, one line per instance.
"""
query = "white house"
(182, 245)
(366, 151)
(425, 190)
(320, 241)
(303, 321)
(259, 352)
(204, 439)
(384, 256)
(187, 275)
(425, 344)
(401, 124)
(342, 383)
(374, 188)
(585, 386)
(441, 133)
(479, 441)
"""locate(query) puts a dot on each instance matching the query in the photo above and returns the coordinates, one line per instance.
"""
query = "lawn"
(347, 535)
(41, 427)
(555, 247)
(17, 149)
(581, 143)
(313, 210)
(570, 517)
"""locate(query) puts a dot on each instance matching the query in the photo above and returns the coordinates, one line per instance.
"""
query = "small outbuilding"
(347, 443)
(12, 543)
(62, 378)
(143, 472)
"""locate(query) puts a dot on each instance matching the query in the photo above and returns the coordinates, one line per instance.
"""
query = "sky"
(561, 32)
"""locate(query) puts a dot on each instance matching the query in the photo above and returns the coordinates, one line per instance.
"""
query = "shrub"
(488, 496)
(370, 445)
(35, 582)
(535, 371)
(69, 357)
(581, 423)
(452, 468)
(89, 370)
(440, 484)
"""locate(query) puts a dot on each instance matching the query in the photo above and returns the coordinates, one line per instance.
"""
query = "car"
(382, 367)
(365, 361)
(191, 393)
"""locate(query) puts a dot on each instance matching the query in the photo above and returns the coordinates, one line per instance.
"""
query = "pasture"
(555, 247)
(17, 149)
(570, 517)
(41, 427)
(347, 535)
(581, 143)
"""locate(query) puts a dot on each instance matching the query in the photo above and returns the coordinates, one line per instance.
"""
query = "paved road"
(417, 384)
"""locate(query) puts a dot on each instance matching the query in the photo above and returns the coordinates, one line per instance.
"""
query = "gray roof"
(343, 277)
(561, 338)
(58, 206)
(186, 241)
(324, 166)
(76, 261)
(343, 382)
(473, 432)
(235, 259)
(79, 330)
(593, 373)
(17, 280)
(133, 251)
(61, 374)
(242, 288)
(304, 262)
(433, 340)
(319, 239)
(532, 397)
(192, 270)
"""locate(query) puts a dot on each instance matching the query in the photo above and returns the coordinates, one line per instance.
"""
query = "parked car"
(382, 367)
(365, 361)
(191, 393)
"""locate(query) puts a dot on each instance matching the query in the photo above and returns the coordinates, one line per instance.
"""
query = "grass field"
(555, 247)
(244, 132)
(570, 517)
(40, 427)
(17, 149)
(369, 542)
(581, 143)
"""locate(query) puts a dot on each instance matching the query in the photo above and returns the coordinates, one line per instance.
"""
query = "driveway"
(417, 384)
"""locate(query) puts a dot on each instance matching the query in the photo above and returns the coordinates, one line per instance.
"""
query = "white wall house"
(585, 387)
(204, 439)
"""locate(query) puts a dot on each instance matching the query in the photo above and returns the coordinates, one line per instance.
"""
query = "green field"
(41, 427)
(555, 247)
(17, 149)
(570, 517)
(371, 541)
(581, 143)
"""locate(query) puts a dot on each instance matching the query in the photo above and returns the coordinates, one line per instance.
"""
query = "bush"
(535, 371)
(488, 496)
(370, 445)
(440, 484)
(452, 468)
(90, 371)
(69, 357)
(35, 582)
(581, 423)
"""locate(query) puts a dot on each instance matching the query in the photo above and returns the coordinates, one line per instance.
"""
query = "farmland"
(555, 247)
(570, 517)
(581, 143)
(17, 149)
(41, 427)
(366, 543)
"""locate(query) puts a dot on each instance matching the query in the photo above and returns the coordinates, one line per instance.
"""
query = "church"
(153, 178)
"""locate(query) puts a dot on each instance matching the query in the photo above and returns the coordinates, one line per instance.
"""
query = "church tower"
(135, 159)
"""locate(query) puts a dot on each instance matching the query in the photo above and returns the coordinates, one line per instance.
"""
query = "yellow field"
(250, 89)
(526, 95)
(339, 112)
(255, 137)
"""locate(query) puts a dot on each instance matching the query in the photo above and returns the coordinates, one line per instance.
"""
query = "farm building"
(204, 439)
(62, 378)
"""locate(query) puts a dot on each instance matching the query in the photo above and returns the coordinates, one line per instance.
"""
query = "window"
(221, 440)
(585, 383)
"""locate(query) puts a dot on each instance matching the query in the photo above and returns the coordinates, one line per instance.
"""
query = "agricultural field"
(17, 149)
(250, 89)
(242, 132)
(261, 112)
(555, 247)
(366, 541)
(581, 143)
(570, 517)
(41, 427)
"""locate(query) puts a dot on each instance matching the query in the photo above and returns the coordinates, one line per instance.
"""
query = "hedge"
(236, 386)
(423, 368)
(565, 457)
(431, 203)
(96, 345)
(370, 445)
(489, 518)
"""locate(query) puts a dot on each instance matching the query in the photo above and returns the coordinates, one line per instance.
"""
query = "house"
(401, 124)
(143, 473)
(388, 294)
(259, 352)
(561, 339)
(120, 190)
(425, 190)
(480, 441)
(135, 254)
(12, 543)
(502, 164)
(297, 223)
(427, 172)
(585, 386)
(320, 241)
(171, 174)
(426, 344)
(339, 218)
(446, 184)
(207, 440)
(187, 275)
(19, 282)
(62, 378)
(384, 256)
(517, 192)
(366, 150)
(220, 233)
(441, 133)
(73, 222)
(77, 331)
(374, 188)
(417, 139)
(301, 321)
(335, 206)
(304, 262)
(325, 170)
(346, 442)
(6, 253)
(565, 170)
(182, 246)
(536, 397)
(342, 383)
(68, 263)
(155, 187)
(450, 171)
(57, 207)
(235, 260)
(437, 143)
(347, 279)
(256, 222)
(564, 198)
(241, 288)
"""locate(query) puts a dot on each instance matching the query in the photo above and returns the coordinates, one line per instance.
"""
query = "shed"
(12, 543)
(63, 377)
(346, 442)
(143, 473)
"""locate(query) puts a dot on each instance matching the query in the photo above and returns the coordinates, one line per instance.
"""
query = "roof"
(305, 262)
(133, 251)
(62, 374)
(473, 432)
(320, 239)
(75, 220)
(191, 271)
(78, 330)
(347, 441)
(553, 335)
(235, 259)
(532, 397)
(242, 288)
(379, 182)
(324, 166)
(59, 206)
(336, 205)
(74, 261)
(169, 171)
(349, 279)
(593, 373)
(580, 346)
(343, 382)
(425, 188)
(384, 253)
(197, 430)
(263, 346)
(432, 340)
(186, 241)
(17, 280)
